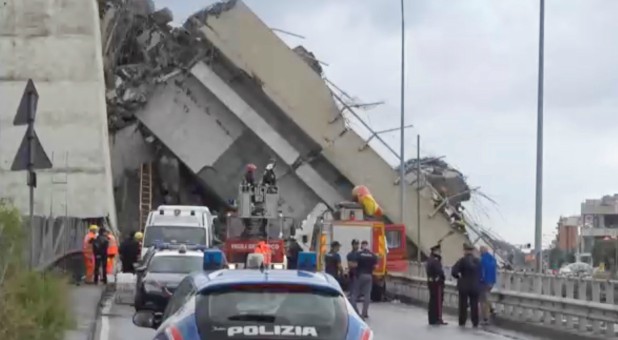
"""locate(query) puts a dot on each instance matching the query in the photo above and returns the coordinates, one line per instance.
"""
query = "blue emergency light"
(214, 259)
(307, 261)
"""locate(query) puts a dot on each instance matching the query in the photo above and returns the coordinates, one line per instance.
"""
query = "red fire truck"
(256, 217)
(347, 224)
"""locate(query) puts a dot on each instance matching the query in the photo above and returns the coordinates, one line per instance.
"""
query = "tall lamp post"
(538, 228)
(402, 157)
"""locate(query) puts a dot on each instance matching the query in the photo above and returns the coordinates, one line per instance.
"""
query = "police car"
(168, 265)
(258, 304)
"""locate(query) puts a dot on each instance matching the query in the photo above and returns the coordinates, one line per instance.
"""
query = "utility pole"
(418, 197)
(402, 155)
(538, 225)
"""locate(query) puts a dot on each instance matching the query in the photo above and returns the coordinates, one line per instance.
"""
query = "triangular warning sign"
(21, 161)
(21, 118)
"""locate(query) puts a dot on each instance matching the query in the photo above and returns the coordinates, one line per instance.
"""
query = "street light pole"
(538, 225)
(402, 157)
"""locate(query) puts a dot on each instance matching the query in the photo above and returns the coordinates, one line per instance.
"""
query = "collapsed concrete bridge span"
(224, 90)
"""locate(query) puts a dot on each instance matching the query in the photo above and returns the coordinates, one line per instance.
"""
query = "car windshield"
(171, 234)
(175, 264)
(274, 311)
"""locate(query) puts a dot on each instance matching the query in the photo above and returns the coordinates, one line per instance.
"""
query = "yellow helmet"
(139, 235)
(93, 227)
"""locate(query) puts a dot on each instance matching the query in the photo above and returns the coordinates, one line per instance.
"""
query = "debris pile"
(449, 182)
(141, 47)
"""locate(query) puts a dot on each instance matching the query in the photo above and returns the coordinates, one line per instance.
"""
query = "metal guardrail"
(56, 238)
(587, 289)
(582, 306)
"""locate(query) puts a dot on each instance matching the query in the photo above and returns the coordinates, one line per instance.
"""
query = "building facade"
(568, 233)
(600, 221)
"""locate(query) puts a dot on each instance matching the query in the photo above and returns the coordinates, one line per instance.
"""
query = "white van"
(178, 224)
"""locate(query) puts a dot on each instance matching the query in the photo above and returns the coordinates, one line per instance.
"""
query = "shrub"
(33, 305)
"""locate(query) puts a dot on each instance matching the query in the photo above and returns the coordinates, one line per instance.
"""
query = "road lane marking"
(105, 311)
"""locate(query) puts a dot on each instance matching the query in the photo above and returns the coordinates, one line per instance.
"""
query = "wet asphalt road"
(389, 321)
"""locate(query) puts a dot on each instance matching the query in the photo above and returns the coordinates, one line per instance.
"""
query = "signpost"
(30, 155)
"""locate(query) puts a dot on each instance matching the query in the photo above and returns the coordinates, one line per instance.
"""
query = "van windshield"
(177, 234)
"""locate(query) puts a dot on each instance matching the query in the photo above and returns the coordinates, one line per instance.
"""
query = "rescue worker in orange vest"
(112, 252)
(264, 248)
(88, 253)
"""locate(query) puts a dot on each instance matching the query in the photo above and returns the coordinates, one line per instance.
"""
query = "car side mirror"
(147, 319)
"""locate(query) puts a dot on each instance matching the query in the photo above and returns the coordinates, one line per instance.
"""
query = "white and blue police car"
(257, 304)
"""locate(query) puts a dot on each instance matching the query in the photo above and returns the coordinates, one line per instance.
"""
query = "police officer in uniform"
(351, 257)
(366, 262)
(332, 261)
(435, 283)
(467, 271)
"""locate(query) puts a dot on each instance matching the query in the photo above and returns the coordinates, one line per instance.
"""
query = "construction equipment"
(145, 193)
(257, 218)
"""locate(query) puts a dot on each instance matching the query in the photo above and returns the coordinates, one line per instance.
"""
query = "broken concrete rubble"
(309, 58)
(448, 181)
(140, 48)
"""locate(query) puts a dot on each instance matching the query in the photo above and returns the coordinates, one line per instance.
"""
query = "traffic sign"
(27, 105)
(40, 159)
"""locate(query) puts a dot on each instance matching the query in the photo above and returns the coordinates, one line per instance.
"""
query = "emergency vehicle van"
(178, 224)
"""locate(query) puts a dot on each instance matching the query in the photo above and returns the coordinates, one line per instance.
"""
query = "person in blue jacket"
(489, 268)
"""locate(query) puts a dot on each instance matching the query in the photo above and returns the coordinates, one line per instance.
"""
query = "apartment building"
(568, 233)
(600, 220)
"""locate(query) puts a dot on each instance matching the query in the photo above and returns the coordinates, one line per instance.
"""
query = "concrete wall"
(296, 89)
(128, 152)
(58, 45)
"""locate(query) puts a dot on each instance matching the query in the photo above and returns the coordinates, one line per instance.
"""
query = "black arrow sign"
(27, 105)
(30, 155)
(39, 157)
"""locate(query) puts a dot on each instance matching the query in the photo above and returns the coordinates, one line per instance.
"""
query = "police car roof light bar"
(213, 260)
(307, 261)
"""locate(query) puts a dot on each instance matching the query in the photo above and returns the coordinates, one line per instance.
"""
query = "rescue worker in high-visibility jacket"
(112, 253)
(264, 248)
(365, 199)
(88, 254)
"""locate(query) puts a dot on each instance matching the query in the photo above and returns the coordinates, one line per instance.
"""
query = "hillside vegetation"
(33, 305)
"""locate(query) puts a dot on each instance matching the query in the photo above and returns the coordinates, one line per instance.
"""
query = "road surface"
(389, 321)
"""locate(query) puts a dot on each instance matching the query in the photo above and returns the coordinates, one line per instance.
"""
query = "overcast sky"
(471, 89)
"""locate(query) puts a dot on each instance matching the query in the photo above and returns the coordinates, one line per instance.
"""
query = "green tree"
(604, 251)
(556, 258)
